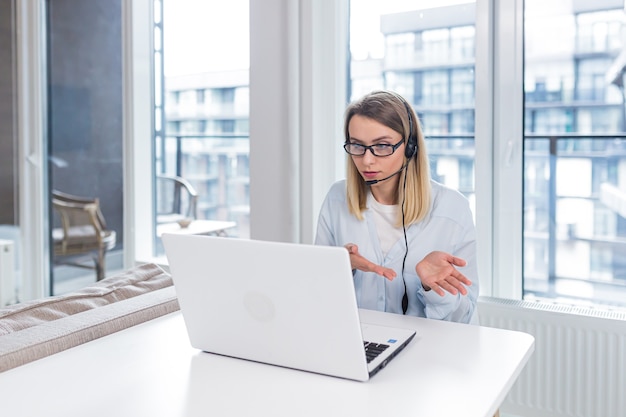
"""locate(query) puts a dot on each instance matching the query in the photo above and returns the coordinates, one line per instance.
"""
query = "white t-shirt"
(385, 219)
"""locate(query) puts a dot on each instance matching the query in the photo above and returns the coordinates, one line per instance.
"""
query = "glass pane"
(425, 52)
(85, 139)
(9, 202)
(575, 152)
(206, 107)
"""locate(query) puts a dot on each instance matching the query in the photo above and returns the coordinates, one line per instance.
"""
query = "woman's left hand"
(437, 272)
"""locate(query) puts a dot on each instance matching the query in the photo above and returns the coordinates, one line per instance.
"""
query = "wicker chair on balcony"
(177, 199)
(83, 233)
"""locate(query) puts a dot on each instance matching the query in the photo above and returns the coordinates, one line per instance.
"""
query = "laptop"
(285, 304)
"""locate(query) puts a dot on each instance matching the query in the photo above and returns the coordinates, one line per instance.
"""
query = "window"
(574, 169)
(85, 126)
(462, 43)
(207, 105)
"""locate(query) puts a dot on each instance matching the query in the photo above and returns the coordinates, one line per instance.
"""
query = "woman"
(409, 237)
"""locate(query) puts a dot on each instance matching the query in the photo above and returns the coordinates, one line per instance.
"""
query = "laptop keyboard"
(372, 350)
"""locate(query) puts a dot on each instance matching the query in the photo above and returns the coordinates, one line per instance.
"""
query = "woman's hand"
(437, 272)
(359, 262)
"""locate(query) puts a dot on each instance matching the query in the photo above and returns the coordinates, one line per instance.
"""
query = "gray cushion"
(41, 328)
(128, 284)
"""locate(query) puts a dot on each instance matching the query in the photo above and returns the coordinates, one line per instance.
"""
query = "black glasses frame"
(371, 148)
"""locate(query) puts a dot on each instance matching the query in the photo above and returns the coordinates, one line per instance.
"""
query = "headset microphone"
(372, 182)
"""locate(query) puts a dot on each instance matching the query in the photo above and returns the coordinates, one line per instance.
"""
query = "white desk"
(449, 369)
(197, 227)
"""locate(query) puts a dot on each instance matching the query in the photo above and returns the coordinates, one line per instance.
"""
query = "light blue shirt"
(448, 227)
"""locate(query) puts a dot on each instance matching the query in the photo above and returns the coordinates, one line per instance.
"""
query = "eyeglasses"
(381, 149)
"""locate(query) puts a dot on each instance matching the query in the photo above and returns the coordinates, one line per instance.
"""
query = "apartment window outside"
(462, 86)
(206, 138)
(200, 96)
(435, 88)
(403, 48)
(575, 153)
(463, 43)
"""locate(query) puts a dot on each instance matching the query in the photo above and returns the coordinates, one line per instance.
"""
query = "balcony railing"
(574, 238)
(217, 165)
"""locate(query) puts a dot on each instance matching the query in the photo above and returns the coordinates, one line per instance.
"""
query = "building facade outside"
(207, 142)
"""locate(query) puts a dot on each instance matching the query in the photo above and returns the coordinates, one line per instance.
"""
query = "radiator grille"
(579, 365)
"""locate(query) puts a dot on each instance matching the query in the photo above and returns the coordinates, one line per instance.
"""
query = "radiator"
(578, 368)
(7, 273)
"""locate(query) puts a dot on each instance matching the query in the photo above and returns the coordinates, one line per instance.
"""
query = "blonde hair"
(391, 110)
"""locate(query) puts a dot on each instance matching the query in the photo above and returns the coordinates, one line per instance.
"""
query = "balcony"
(217, 166)
(574, 233)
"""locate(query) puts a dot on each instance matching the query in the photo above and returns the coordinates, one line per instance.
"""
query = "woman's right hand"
(359, 262)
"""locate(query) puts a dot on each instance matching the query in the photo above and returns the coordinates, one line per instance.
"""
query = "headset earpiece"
(411, 145)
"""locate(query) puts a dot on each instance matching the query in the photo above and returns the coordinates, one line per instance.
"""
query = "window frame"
(139, 187)
(499, 147)
(32, 153)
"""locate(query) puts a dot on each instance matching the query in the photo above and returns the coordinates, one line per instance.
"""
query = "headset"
(410, 149)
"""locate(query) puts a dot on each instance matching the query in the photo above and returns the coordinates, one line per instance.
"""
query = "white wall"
(297, 98)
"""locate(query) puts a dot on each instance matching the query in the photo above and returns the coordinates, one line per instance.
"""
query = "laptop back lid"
(290, 305)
